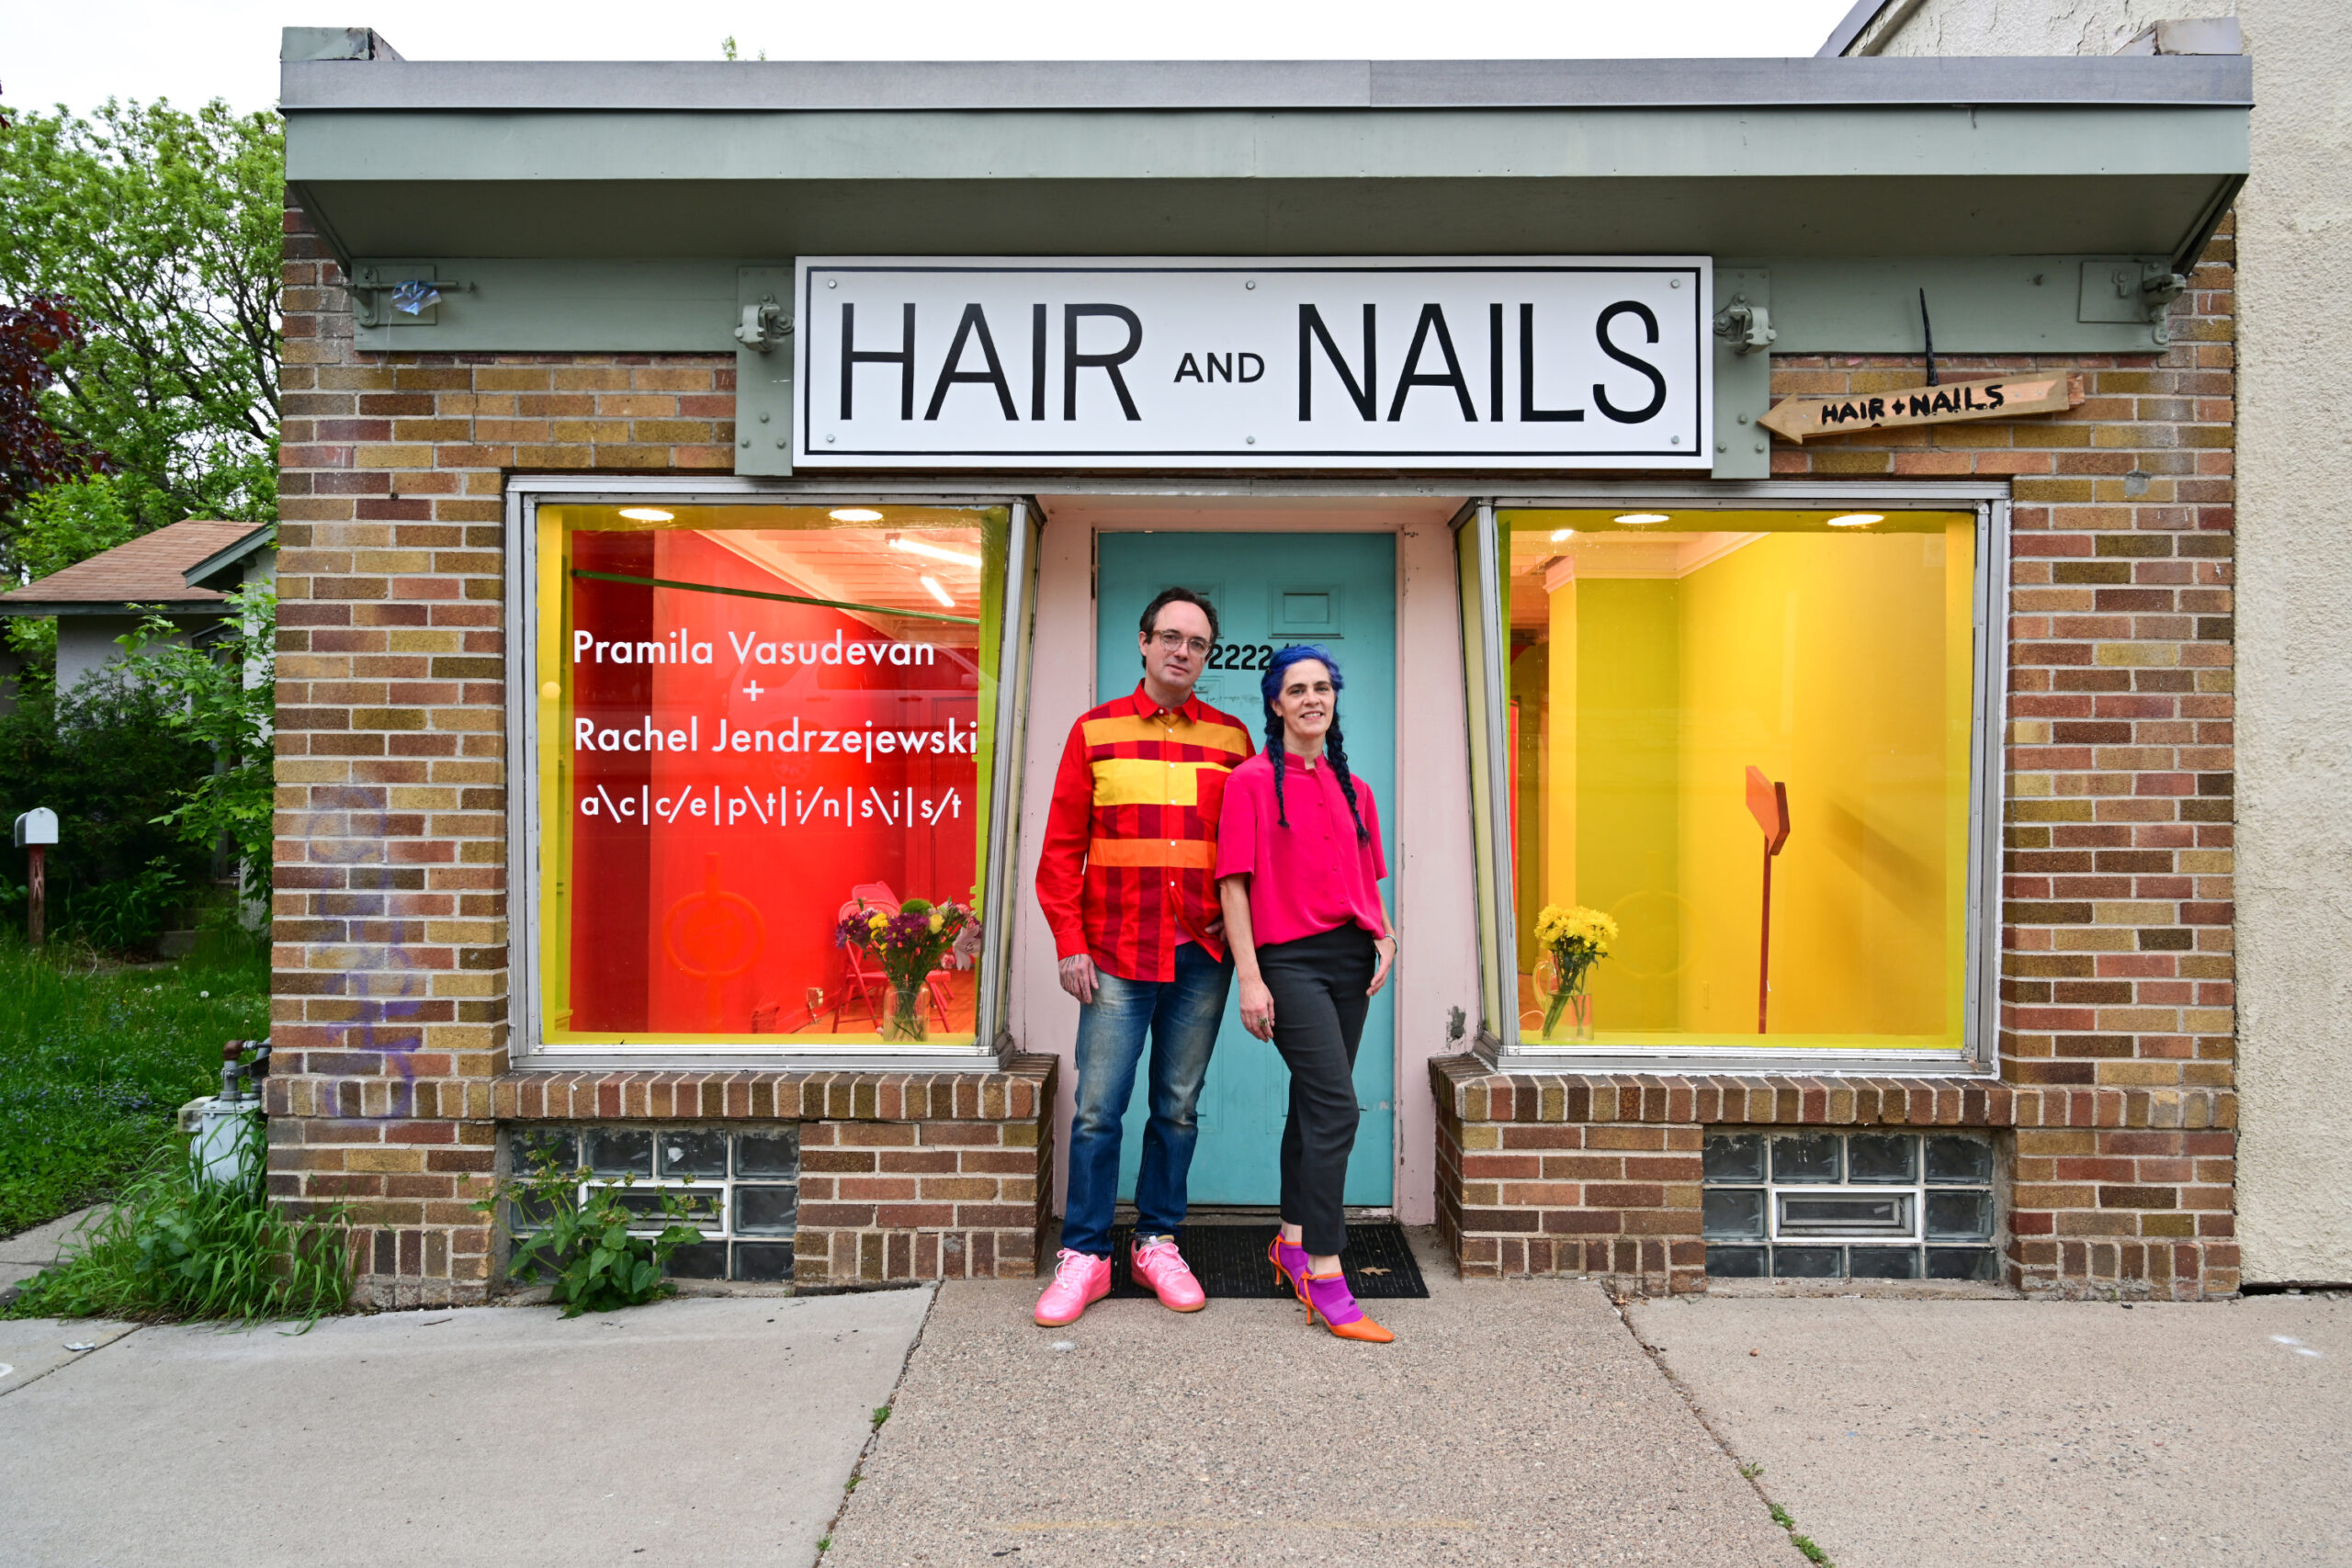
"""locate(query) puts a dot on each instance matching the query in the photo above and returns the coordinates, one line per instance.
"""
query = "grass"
(173, 1248)
(95, 1058)
(1803, 1543)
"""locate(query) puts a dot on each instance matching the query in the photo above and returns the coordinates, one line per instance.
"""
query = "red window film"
(760, 726)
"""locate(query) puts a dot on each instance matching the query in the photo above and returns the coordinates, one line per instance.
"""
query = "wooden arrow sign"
(1800, 419)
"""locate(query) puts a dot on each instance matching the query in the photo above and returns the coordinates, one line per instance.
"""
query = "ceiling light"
(916, 546)
(1560, 534)
(854, 515)
(1858, 519)
(647, 514)
(937, 592)
(1642, 519)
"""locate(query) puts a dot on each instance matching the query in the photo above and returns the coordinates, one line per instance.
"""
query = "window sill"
(1020, 1089)
(1476, 1091)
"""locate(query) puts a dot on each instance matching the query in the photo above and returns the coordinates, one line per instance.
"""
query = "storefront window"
(1743, 740)
(755, 722)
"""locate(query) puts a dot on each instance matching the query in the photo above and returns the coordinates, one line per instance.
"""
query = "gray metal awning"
(1813, 158)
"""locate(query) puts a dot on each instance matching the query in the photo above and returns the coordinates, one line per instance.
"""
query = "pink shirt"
(1312, 876)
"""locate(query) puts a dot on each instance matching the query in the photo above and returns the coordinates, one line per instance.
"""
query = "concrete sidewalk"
(1520, 1422)
(1512, 1422)
(28, 1252)
(1919, 1433)
(705, 1432)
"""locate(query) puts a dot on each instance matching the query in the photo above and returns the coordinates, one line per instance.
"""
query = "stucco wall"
(2022, 27)
(2294, 564)
(2295, 577)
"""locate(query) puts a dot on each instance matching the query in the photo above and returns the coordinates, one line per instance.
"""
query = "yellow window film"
(1674, 678)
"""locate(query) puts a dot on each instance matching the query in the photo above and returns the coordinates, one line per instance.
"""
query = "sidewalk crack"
(79, 1357)
(881, 1418)
(1748, 1472)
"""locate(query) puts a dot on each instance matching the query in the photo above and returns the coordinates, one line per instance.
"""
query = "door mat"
(1230, 1262)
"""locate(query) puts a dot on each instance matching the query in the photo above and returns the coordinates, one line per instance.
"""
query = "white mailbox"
(37, 826)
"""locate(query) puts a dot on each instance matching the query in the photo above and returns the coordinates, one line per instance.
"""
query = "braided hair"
(1335, 751)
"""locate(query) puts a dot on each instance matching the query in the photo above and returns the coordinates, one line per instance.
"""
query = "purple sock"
(1333, 1300)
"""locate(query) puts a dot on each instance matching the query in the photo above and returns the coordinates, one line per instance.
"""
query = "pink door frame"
(1432, 888)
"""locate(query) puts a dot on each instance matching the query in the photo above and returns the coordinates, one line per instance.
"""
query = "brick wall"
(2116, 1021)
(1565, 1173)
(391, 1071)
(903, 1176)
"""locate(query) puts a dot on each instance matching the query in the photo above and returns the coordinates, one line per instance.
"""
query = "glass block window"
(743, 1186)
(1808, 1205)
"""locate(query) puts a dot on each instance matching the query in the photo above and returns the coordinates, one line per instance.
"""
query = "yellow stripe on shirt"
(1150, 781)
(1131, 728)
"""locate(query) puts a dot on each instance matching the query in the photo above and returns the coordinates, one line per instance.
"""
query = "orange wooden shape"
(1768, 804)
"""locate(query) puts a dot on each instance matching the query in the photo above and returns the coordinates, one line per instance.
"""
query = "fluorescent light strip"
(916, 547)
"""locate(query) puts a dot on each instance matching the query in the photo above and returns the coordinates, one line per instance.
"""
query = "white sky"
(81, 52)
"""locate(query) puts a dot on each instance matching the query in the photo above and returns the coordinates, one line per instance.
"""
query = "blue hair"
(1335, 751)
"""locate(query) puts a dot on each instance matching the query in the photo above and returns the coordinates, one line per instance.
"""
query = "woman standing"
(1298, 867)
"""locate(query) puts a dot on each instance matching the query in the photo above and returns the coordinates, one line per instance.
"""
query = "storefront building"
(710, 492)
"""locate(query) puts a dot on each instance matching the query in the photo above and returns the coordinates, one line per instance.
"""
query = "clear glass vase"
(1567, 1008)
(905, 1020)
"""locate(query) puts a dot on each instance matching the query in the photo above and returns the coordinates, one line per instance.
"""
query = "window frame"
(1979, 1052)
(527, 1043)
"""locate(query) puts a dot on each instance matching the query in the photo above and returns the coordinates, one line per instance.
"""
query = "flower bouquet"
(1574, 940)
(909, 945)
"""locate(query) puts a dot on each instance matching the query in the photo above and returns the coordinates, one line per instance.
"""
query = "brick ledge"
(1475, 1092)
(1015, 1092)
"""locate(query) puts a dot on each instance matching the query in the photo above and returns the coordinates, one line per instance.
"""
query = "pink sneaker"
(1079, 1281)
(1158, 1264)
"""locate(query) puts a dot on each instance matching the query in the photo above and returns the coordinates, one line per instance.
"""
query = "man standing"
(1125, 879)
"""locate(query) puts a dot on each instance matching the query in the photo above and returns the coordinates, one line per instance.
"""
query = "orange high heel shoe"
(1328, 1298)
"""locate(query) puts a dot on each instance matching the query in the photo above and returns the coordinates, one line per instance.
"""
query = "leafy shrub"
(585, 1248)
(225, 694)
(174, 1247)
(109, 758)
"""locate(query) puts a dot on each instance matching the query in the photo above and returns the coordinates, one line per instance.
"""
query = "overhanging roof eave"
(307, 86)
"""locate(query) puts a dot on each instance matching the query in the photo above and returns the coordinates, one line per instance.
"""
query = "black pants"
(1319, 984)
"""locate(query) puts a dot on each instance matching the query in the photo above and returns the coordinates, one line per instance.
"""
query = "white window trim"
(528, 1044)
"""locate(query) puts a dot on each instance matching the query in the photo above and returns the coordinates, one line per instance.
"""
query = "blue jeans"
(1182, 1015)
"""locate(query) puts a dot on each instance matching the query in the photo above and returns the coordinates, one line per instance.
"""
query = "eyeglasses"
(1172, 641)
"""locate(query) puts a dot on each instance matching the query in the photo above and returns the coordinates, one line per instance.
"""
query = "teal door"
(1269, 590)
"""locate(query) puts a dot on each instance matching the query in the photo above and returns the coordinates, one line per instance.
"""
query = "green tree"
(160, 232)
(224, 693)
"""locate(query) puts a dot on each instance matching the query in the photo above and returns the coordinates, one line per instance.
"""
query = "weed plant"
(95, 1060)
(584, 1247)
(175, 1247)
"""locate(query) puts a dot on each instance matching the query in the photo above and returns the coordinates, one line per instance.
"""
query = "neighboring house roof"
(1852, 25)
(162, 567)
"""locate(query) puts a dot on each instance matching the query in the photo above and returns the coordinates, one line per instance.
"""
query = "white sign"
(1511, 362)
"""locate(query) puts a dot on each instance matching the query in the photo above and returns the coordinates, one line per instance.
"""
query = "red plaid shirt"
(1128, 866)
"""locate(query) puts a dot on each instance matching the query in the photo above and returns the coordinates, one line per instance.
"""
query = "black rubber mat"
(1230, 1261)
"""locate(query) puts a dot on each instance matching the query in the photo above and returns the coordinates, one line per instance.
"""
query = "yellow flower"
(938, 921)
(877, 920)
(1575, 932)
